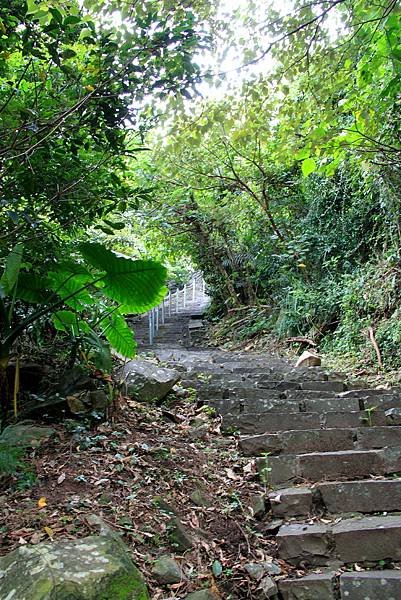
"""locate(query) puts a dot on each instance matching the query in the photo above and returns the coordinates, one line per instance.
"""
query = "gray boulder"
(88, 401)
(146, 381)
(179, 535)
(92, 568)
(166, 570)
(26, 434)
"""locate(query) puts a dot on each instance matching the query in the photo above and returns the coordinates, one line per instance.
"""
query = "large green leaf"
(33, 288)
(138, 284)
(68, 321)
(120, 336)
(69, 281)
(12, 269)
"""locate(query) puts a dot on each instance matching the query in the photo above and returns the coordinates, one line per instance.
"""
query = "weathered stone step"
(373, 495)
(328, 466)
(271, 422)
(351, 540)
(292, 502)
(323, 386)
(321, 440)
(292, 442)
(317, 586)
(265, 401)
(257, 400)
(358, 585)
(217, 379)
(383, 585)
(235, 406)
(361, 496)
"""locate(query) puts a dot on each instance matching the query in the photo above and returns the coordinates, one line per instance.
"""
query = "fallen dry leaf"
(49, 531)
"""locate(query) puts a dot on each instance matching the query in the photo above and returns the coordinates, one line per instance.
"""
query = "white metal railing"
(172, 301)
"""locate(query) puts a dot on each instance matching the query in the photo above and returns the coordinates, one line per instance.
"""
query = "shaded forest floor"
(136, 472)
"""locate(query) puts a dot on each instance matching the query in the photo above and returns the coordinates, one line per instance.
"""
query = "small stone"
(257, 506)
(202, 595)
(274, 526)
(272, 568)
(166, 570)
(198, 433)
(255, 570)
(98, 400)
(268, 587)
(79, 403)
(163, 505)
(199, 498)
(308, 359)
(179, 536)
(197, 422)
(105, 499)
(393, 416)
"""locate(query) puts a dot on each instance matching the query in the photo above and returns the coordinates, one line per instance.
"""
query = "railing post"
(185, 295)
(193, 289)
(203, 287)
(162, 306)
(176, 301)
(169, 303)
(157, 318)
(150, 327)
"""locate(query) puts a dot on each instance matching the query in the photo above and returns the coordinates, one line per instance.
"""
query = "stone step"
(351, 540)
(324, 386)
(271, 422)
(328, 466)
(360, 496)
(358, 585)
(308, 394)
(366, 496)
(383, 585)
(235, 406)
(354, 419)
(317, 586)
(292, 502)
(263, 401)
(321, 440)
(215, 379)
(292, 442)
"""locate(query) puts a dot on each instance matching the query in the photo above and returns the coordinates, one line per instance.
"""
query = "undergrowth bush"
(10, 458)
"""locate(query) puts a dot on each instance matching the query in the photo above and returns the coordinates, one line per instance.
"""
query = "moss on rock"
(93, 568)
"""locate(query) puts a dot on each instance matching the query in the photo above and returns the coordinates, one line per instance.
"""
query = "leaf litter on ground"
(132, 472)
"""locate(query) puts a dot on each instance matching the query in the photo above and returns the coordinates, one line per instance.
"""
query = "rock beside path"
(26, 434)
(166, 570)
(146, 381)
(92, 568)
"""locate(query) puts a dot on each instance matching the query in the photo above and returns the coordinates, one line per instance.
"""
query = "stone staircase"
(328, 458)
(182, 322)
